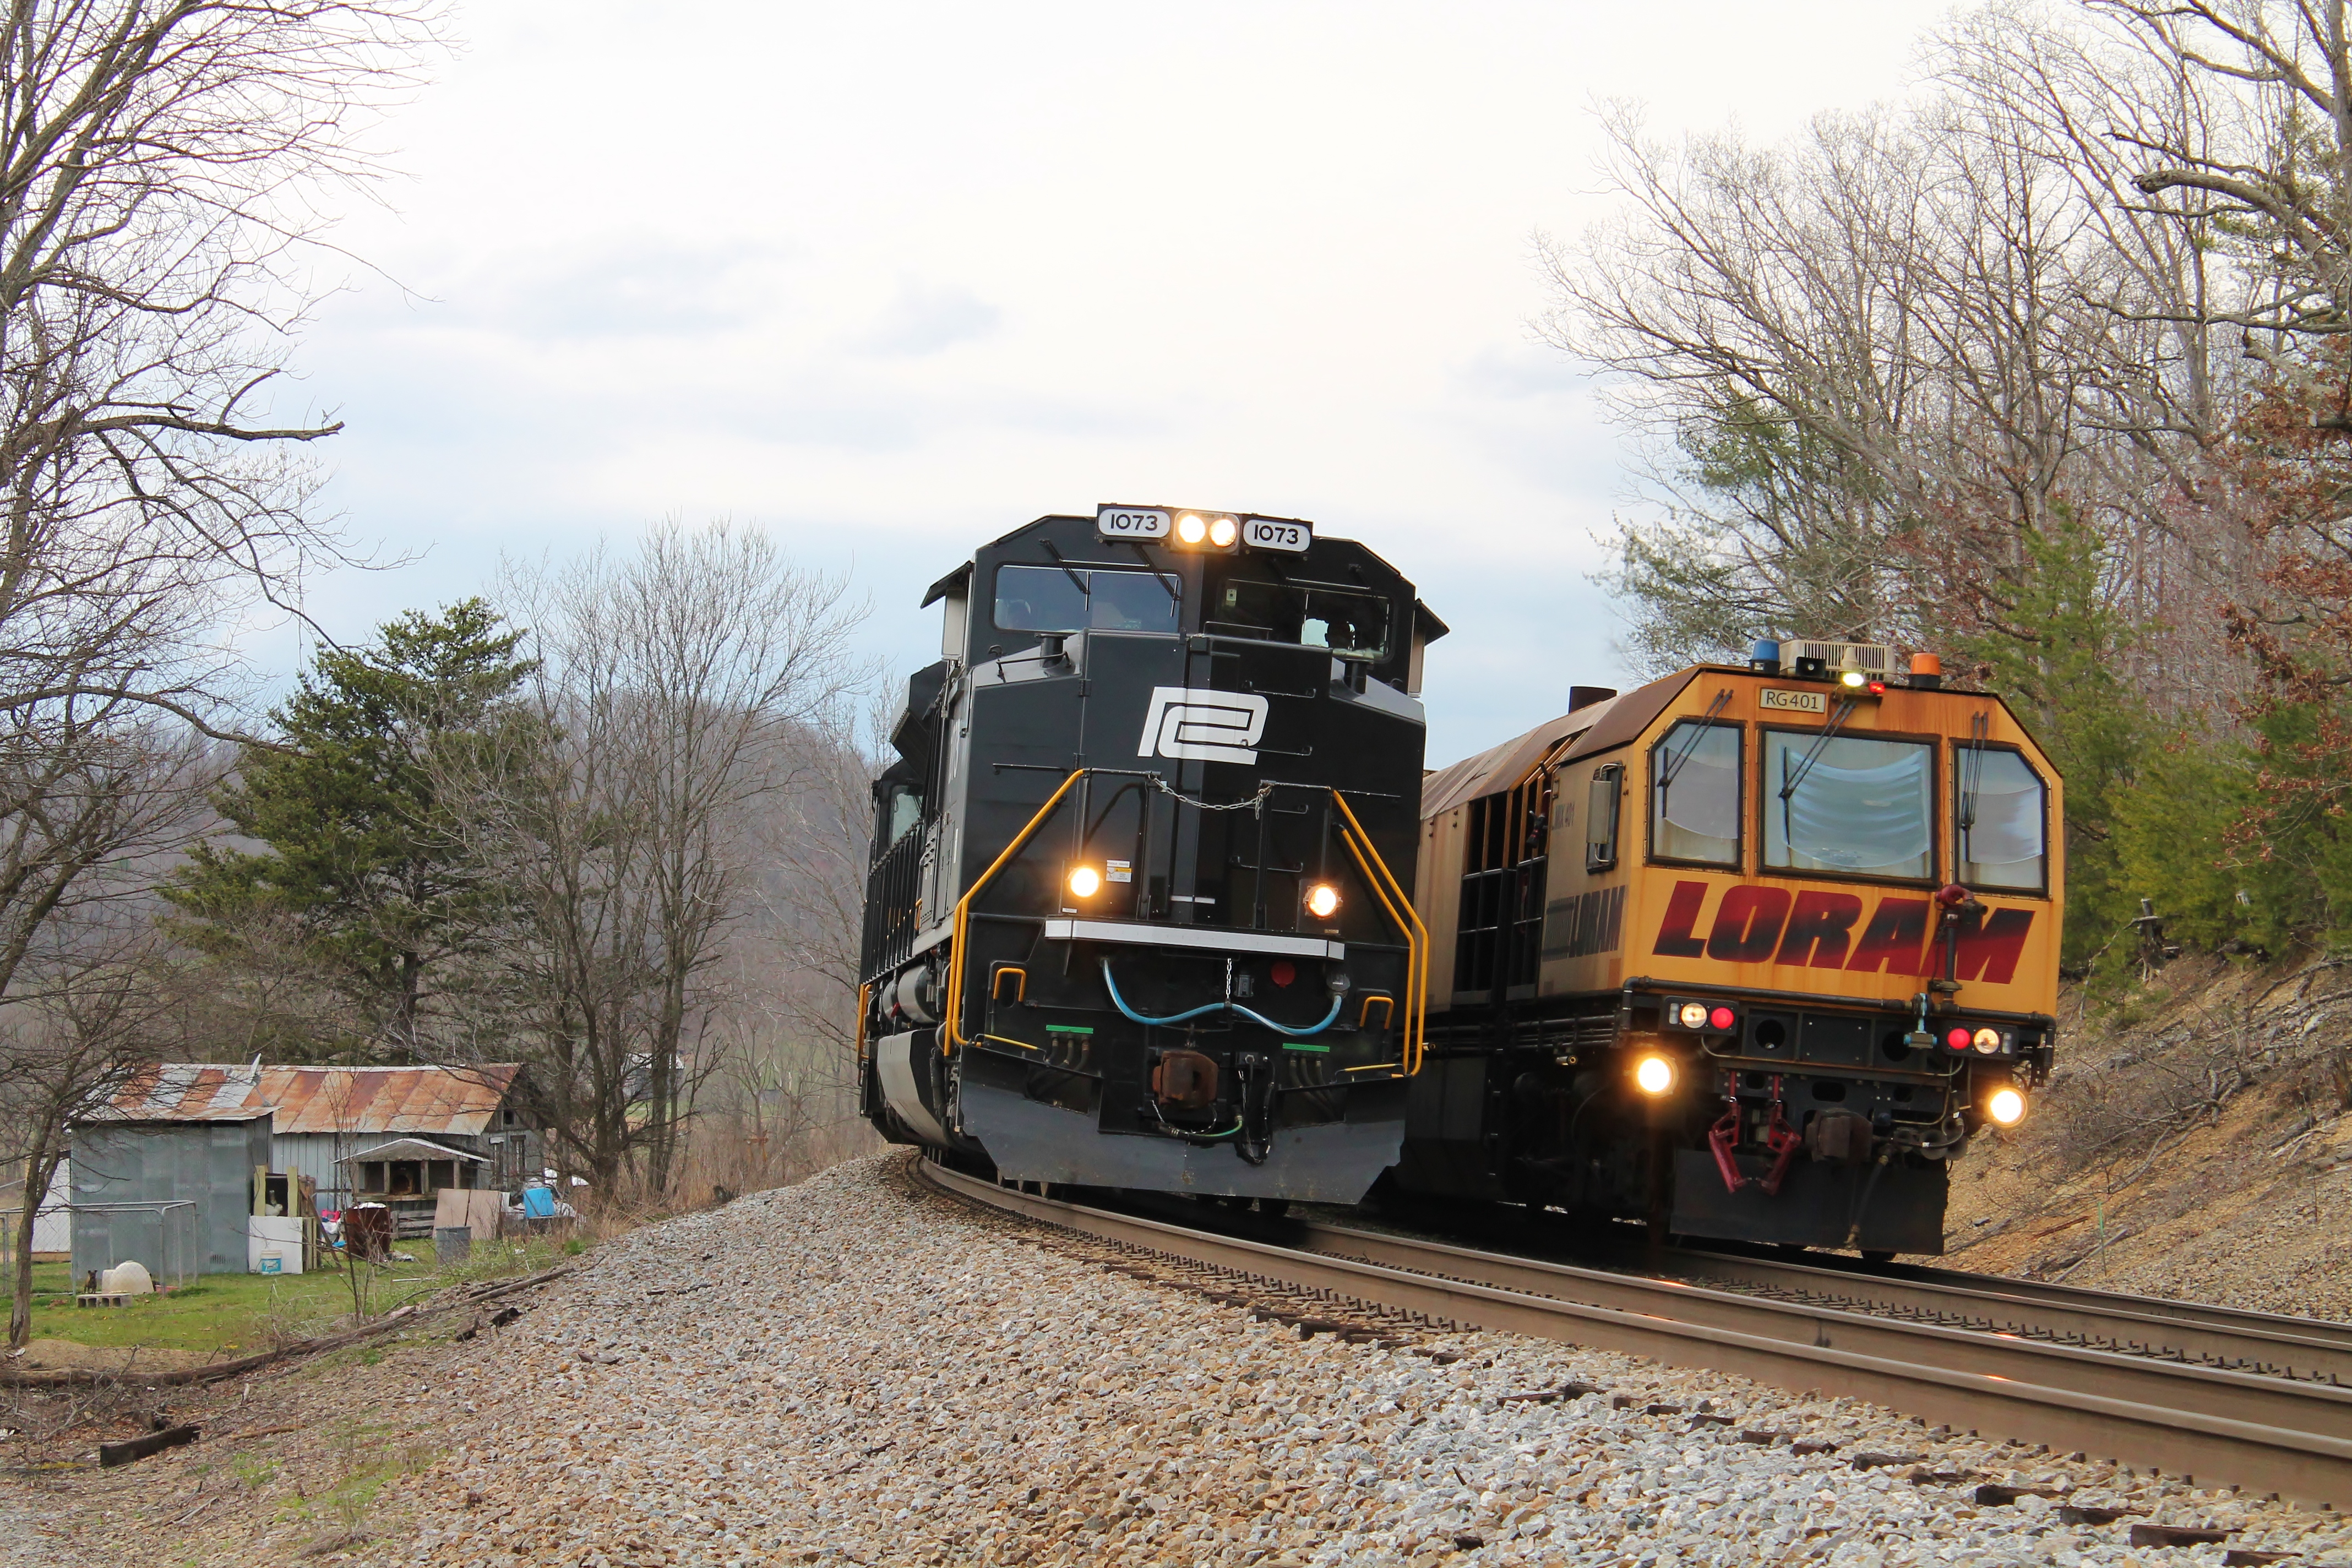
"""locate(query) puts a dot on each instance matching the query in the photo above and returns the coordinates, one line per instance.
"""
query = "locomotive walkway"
(2267, 1434)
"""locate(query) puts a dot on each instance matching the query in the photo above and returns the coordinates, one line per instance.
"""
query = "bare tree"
(78, 955)
(616, 803)
(160, 163)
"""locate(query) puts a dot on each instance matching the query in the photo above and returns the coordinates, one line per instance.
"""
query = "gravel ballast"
(851, 1370)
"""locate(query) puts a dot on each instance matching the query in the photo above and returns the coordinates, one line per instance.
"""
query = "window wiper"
(1065, 565)
(1829, 733)
(1145, 556)
(1972, 776)
(1698, 732)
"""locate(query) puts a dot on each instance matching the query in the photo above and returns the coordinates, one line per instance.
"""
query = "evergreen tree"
(359, 863)
(2057, 655)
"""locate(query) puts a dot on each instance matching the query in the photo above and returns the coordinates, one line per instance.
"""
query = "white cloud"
(892, 279)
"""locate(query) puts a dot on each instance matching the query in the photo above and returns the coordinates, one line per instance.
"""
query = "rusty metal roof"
(430, 1099)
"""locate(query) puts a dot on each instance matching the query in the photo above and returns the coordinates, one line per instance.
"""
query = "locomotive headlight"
(1192, 527)
(1692, 1015)
(1085, 881)
(1222, 530)
(1988, 1041)
(2005, 1106)
(1853, 678)
(1653, 1074)
(1322, 900)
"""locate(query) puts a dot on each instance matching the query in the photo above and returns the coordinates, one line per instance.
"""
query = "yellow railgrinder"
(1748, 953)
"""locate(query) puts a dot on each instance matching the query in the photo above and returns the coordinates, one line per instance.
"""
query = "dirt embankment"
(2195, 1140)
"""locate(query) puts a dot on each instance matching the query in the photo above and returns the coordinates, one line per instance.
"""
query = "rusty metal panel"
(315, 1099)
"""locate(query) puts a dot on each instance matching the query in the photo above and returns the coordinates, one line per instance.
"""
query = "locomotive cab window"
(1351, 624)
(2000, 819)
(1050, 599)
(1694, 793)
(1856, 806)
(902, 810)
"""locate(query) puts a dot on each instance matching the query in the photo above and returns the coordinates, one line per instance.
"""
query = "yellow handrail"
(950, 1016)
(1412, 946)
(1416, 935)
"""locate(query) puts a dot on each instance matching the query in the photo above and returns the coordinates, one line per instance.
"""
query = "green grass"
(240, 1314)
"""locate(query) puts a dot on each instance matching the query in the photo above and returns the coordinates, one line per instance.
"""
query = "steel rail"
(2293, 1440)
(2300, 1347)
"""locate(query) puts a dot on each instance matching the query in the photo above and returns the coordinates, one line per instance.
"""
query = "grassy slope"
(241, 1313)
(2195, 1141)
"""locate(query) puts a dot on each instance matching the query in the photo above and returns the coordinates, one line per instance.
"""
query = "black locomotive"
(1141, 908)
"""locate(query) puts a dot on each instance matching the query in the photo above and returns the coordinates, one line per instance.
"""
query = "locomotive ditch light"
(1086, 882)
(1988, 1040)
(2005, 1106)
(1653, 1074)
(1322, 900)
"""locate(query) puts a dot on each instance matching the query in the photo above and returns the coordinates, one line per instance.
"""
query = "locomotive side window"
(906, 810)
(2000, 819)
(1351, 624)
(1694, 793)
(1049, 599)
(1861, 808)
(1601, 817)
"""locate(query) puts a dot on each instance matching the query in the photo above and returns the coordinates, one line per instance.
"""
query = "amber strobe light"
(1653, 1074)
(1085, 881)
(1322, 900)
(2006, 1106)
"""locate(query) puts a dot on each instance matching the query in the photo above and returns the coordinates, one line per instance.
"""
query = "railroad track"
(2290, 1437)
(2227, 1337)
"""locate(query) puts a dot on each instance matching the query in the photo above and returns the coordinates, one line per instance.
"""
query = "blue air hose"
(1258, 1018)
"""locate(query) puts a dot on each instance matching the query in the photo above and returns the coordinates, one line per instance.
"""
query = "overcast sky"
(890, 279)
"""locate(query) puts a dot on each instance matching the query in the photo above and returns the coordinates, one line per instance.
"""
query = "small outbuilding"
(326, 1116)
(343, 1136)
(134, 1177)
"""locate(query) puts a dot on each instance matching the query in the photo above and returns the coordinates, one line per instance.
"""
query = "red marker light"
(1723, 1018)
(1878, 688)
(1957, 1040)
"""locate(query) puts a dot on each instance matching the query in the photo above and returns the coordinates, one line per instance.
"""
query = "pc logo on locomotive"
(1188, 724)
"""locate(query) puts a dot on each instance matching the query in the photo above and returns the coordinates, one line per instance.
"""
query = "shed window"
(1694, 793)
(1865, 807)
(2001, 816)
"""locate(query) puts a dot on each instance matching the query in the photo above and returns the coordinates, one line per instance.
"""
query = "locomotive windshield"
(1077, 598)
(1351, 624)
(1863, 807)
(1694, 793)
(1999, 818)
